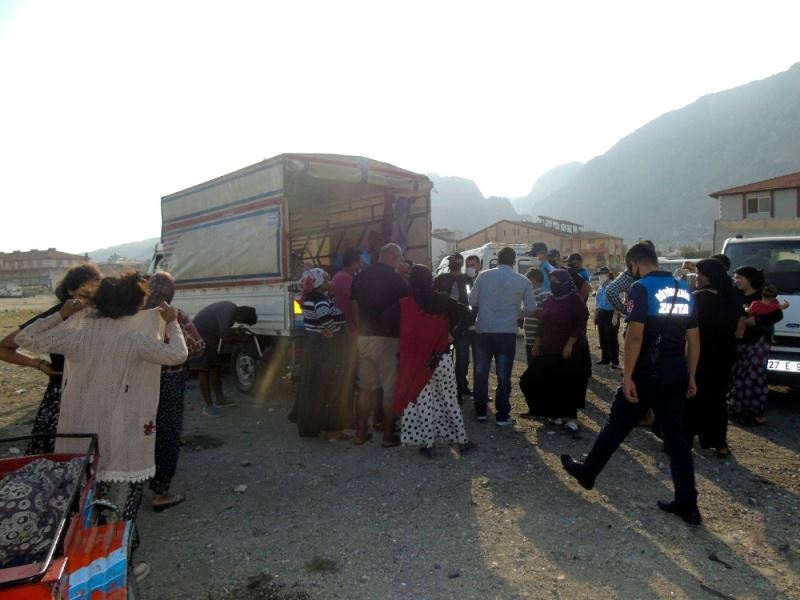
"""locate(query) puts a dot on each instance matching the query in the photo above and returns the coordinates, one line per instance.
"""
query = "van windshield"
(780, 261)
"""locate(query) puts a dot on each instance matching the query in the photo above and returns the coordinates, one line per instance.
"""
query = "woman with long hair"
(555, 386)
(747, 397)
(78, 283)
(426, 394)
(706, 414)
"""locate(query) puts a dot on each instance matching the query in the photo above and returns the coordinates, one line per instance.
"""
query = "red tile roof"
(792, 180)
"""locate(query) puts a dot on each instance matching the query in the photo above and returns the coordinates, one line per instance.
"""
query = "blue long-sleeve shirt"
(602, 302)
(498, 295)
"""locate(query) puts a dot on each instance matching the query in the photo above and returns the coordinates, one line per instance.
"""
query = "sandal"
(723, 452)
(162, 506)
(361, 441)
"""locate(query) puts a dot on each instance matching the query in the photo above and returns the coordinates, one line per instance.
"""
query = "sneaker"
(601, 362)
(141, 571)
(690, 515)
(576, 469)
(467, 392)
(572, 426)
(614, 365)
(557, 421)
(481, 418)
(226, 402)
(212, 411)
(507, 423)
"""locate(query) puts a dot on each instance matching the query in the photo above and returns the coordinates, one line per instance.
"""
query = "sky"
(108, 106)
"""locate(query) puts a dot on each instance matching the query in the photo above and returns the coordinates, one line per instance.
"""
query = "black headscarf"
(713, 270)
(420, 280)
(753, 275)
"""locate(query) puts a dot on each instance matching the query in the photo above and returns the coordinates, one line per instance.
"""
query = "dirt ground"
(325, 519)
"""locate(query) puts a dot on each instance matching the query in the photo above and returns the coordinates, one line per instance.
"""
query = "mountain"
(655, 182)
(549, 183)
(458, 204)
(136, 250)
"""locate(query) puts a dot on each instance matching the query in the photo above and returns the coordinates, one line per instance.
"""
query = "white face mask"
(470, 271)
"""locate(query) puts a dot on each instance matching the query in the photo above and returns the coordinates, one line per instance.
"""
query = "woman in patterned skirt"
(79, 282)
(747, 398)
(426, 393)
(169, 419)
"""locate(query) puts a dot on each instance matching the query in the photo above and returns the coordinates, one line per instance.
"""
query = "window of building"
(759, 204)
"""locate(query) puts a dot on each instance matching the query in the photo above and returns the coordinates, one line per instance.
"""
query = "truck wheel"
(245, 367)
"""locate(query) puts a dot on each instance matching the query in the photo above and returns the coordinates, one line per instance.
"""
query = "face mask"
(471, 272)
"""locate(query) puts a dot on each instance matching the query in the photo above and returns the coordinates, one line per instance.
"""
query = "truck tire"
(245, 366)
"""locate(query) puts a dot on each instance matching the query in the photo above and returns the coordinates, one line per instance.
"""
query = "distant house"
(37, 268)
(443, 243)
(598, 249)
(769, 207)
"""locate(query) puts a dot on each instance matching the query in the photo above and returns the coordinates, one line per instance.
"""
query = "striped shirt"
(617, 291)
(321, 314)
(531, 324)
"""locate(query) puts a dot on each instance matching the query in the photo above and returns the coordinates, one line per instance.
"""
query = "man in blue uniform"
(661, 352)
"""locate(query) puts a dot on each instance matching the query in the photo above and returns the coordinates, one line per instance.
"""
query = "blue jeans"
(503, 347)
(462, 346)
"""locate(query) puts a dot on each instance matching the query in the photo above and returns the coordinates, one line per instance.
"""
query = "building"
(769, 207)
(37, 268)
(598, 249)
(444, 243)
(117, 265)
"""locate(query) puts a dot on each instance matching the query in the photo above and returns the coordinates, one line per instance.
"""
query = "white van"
(488, 255)
(779, 258)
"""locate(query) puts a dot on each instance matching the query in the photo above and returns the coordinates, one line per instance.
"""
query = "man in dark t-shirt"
(374, 290)
(662, 348)
(214, 323)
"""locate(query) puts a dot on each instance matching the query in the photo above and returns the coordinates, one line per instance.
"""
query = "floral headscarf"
(312, 279)
(162, 287)
(561, 284)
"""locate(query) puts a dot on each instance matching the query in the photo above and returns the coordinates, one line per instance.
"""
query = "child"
(768, 304)
(531, 324)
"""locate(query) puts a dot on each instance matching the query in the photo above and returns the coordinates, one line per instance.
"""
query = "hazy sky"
(107, 106)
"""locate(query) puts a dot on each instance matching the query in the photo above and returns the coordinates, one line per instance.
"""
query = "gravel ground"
(325, 519)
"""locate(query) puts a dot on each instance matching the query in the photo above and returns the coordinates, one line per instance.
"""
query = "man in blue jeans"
(498, 295)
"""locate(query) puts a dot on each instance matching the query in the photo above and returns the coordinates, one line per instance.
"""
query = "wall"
(786, 204)
(753, 228)
(513, 233)
(730, 207)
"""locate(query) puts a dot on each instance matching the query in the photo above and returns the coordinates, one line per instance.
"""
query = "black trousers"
(665, 393)
(608, 334)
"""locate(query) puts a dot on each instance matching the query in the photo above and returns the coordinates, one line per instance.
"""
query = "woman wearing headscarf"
(169, 419)
(322, 402)
(747, 397)
(706, 414)
(78, 283)
(559, 376)
(426, 394)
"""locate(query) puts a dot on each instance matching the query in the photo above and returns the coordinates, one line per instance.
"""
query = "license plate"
(789, 366)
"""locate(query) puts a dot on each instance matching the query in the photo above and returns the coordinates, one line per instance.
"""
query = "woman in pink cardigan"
(114, 354)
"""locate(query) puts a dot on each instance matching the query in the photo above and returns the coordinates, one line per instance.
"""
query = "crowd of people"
(695, 351)
(388, 347)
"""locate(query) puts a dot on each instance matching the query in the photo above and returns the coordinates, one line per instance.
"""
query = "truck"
(247, 237)
(779, 258)
(488, 255)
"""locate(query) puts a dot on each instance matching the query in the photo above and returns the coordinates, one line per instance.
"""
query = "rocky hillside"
(458, 204)
(655, 182)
